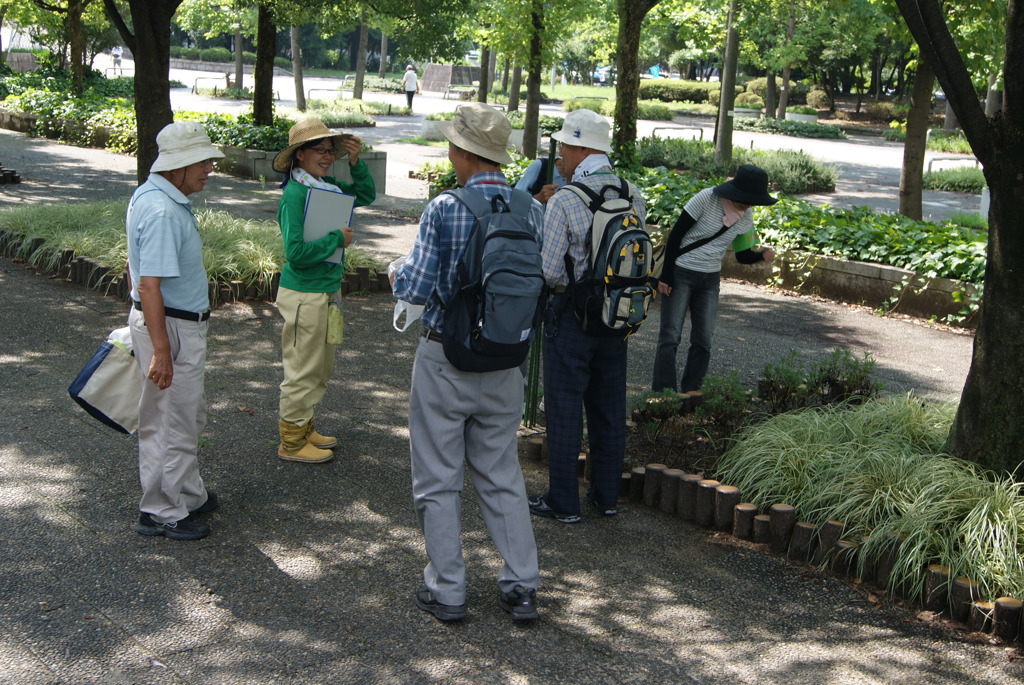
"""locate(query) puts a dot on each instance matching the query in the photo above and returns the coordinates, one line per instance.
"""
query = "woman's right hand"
(664, 288)
(346, 233)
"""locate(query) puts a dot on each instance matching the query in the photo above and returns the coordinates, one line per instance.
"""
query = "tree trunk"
(263, 76)
(150, 46)
(914, 146)
(76, 44)
(993, 97)
(769, 97)
(723, 133)
(531, 120)
(239, 62)
(788, 69)
(504, 75)
(513, 89)
(627, 85)
(949, 122)
(382, 71)
(364, 39)
(300, 95)
(988, 428)
(484, 76)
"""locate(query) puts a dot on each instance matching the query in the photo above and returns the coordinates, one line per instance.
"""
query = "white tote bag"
(109, 385)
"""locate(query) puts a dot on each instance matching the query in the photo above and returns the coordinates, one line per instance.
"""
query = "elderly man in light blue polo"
(168, 323)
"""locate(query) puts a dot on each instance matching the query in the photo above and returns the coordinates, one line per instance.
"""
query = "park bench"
(461, 91)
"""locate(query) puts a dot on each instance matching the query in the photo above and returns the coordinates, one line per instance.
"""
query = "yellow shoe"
(324, 442)
(308, 454)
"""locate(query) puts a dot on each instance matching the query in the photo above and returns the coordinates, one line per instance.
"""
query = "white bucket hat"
(480, 129)
(181, 144)
(585, 128)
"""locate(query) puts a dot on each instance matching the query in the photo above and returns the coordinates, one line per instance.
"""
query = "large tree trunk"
(364, 39)
(150, 46)
(382, 69)
(76, 44)
(914, 147)
(627, 86)
(769, 95)
(484, 76)
(531, 120)
(300, 95)
(989, 424)
(263, 89)
(239, 61)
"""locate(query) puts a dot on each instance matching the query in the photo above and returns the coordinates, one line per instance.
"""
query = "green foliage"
(969, 220)
(241, 131)
(667, 90)
(549, 124)
(725, 401)
(786, 127)
(342, 113)
(930, 250)
(653, 410)
(382, 85)
(715, 93)
(878, 468)
(818, 99)
(759, 87)
(233, 248)
(440, 116)
(801, 109)
(749, 100)
(646, 109)
(949, 141)
(957, 180)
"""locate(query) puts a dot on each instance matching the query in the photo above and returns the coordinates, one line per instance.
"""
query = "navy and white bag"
(497, 302)
(109, 385)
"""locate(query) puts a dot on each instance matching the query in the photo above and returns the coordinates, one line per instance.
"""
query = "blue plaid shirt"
(428, 275)
(566, 222)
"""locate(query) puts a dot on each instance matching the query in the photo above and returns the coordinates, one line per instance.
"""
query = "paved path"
(308, 575)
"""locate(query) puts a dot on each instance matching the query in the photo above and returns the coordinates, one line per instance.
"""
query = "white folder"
(326, 211)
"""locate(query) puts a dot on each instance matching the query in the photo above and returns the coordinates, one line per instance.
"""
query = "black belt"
(179, 313)
(431, 335)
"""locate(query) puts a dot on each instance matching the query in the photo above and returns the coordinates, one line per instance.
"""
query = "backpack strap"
(594, 199)
(475, 201)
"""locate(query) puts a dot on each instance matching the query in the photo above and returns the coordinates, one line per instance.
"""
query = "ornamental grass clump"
(879, 469)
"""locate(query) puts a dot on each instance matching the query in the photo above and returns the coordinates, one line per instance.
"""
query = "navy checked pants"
(582, 372)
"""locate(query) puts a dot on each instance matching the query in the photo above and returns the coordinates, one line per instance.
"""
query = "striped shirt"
(706, 209)
(567, 220)
(428, 275)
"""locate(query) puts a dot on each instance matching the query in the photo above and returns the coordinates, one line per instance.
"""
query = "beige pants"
(171, 420)
(307, 358)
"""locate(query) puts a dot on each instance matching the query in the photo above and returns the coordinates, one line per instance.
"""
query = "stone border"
(222, 67)
(864, 283)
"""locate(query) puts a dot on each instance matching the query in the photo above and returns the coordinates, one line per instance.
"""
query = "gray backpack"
(496, 305)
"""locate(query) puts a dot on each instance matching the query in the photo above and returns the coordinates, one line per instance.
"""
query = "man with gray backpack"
(475, 266)
(597, 260)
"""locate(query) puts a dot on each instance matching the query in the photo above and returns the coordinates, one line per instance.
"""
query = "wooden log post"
(762, 528)
(1006, 618)
(686, 500)
(726, 499)
(845, 558)
(670, 480)
(828, 536)
(964, 592)
(886, 560)
(652, 483)
(802, 542)
(704, 511)
(979, 619)
(936, 588)
(783, 517)
(636, 484)
(581, 465)
(535, 448)
(624, 484)
(743, 520)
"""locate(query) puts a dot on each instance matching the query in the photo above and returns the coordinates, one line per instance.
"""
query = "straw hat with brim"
(585, 128)
(181, 144)
(480, 129)
(748, 187)
(306, 131)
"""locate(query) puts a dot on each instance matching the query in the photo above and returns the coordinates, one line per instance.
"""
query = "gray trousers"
(458, 418)
(171, 420)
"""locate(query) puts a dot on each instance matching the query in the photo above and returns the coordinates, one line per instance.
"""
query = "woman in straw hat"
(710, 221)
(308, 282)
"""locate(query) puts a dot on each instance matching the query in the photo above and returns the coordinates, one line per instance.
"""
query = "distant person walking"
(116, 52)
(410, 84)
(710, 221)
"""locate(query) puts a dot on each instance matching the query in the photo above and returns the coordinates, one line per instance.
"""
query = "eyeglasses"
(323, 150)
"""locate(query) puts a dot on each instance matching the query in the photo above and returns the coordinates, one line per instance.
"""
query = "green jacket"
(304, 269)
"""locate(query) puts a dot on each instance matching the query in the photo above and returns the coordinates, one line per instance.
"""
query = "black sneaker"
(185, 529)
(603, 511)
(212, 503)
(539, 507)
(442, 612)
(519, 603)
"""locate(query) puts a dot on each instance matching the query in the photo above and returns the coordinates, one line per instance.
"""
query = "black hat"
(748, 187)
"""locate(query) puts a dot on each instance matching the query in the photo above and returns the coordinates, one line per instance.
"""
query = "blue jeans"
(697, 293)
